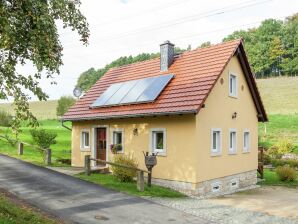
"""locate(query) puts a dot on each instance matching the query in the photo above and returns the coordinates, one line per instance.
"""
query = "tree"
(276, 53)
(205, 44)
(64, 103)
(28, 33)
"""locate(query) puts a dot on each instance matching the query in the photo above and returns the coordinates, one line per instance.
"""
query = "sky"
(129, 27)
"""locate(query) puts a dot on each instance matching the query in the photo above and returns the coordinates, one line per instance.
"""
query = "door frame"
(94, 135)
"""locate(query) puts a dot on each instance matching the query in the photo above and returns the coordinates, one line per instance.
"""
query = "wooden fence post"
(87, 165)
(48, 157)
(140, 180)
(21, 148)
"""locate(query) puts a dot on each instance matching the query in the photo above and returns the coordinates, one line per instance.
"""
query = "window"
(246, 141)
(232, 142)
(215, 141)
(158, 141)
(85, 139)
(118, 138)
(216, 187)
(234, 183)
(233, 85)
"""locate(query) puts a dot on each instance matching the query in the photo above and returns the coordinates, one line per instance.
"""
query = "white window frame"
(246, 149)
(121, 130)
(232, 150)
(82, 142)
(235, 93)
(161, 152)
(219, 149)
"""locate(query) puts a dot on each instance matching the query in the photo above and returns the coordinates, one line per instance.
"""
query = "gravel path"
(222, 213)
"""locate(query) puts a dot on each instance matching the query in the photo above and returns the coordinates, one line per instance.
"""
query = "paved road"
(78, 201)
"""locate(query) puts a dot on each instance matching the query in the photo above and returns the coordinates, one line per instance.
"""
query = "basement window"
(233, 85)
(215, 141)
(216, 187)
(158, 141)
(234, 183)
(85, 139)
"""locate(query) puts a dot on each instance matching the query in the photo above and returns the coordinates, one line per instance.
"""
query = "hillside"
(280, 96)
(42, 110)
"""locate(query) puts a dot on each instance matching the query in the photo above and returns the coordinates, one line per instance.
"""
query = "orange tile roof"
(195, 73)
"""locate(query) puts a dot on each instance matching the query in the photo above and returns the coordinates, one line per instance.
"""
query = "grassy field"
(13, 211)
(61, 150)
(42, 110)
(278, 127)
(112, 182)
(271, 179)
(279, 95)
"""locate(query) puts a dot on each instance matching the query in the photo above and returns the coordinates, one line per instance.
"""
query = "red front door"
(101, 143)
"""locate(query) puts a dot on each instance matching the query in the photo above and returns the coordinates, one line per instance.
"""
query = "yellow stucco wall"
(217, 113)
(188, 141)
(178, 164)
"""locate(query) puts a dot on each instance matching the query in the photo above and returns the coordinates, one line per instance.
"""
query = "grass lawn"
(271, 178)
(13, 211)
(112, 182)
(61, 150)
(278, 127)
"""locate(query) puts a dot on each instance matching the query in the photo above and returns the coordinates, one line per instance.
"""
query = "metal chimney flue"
(166, 55)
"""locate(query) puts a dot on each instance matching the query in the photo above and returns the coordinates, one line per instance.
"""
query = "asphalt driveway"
(77, 201)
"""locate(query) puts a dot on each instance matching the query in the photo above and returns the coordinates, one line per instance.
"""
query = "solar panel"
(135, 91)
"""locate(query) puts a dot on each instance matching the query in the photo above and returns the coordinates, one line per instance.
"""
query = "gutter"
(130, 116)
(63, 125)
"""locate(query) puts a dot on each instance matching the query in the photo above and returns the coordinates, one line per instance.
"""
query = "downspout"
(63, 125)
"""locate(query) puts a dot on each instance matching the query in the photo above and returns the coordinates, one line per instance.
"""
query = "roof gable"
(196, 72)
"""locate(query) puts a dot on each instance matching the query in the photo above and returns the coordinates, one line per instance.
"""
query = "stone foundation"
(214, 187)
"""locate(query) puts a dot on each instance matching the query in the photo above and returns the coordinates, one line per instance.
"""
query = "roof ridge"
(134, 63)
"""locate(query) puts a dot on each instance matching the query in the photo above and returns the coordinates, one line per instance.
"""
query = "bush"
(64, 103)
(5, 119)
(283, 162)
(124, 174)
(266, 159)
(273, 152)
(286, 173)
(285, 146)
(44, 139)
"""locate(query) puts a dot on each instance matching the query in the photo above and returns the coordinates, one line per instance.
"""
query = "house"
(199, 110)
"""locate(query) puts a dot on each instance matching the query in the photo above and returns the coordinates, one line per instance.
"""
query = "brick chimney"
(166, 55)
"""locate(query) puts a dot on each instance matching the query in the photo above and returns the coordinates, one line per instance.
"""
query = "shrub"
(273, 152)
(64, 103)
(44, 139)
(266, 159)
(285, 146)
(286, 173)
(5, 119)
(124, 174)
(282, 162)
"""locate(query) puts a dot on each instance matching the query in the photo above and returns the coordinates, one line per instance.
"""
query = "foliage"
(13, 211)
(60, 151)
(283, 162)
(205, 44)
(29, 34)
(89, 77)
(284, 146)
(43, 138)
(266, 159)
(110, 181)
(286, 173)
(5, 119)
(272, 47)
(64, 103)
(271, 179)
(273, 152)
(124, 174)
(116, 148)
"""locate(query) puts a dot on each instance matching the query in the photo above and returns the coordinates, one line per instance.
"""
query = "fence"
(261, 162)
(20, 149)
(140, 172)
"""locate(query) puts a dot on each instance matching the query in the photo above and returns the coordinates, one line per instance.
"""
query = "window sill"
(245, 152)
(232, 153)
(232, 96)
(163, 154)
(85, 149)
(216, 154)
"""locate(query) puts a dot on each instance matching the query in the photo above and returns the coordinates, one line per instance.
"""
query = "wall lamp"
(234, 115)
(135, 132)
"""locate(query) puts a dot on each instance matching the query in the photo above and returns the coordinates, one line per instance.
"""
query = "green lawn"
(13, 212)
(271, 178)
(279, 126)
(112, 182)
(61, 150)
